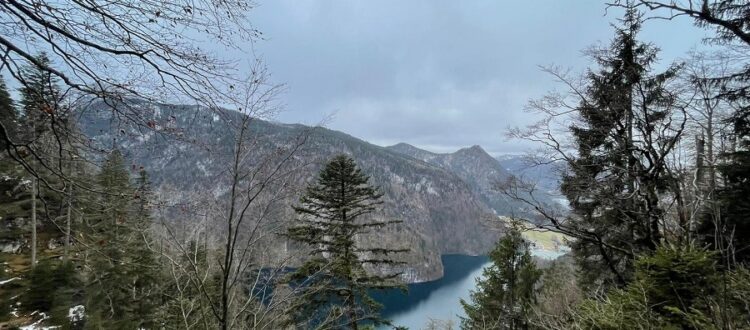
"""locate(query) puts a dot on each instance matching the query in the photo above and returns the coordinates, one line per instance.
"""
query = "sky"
(437, 74)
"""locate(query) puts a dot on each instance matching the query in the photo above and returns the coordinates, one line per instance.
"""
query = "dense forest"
(653, 159)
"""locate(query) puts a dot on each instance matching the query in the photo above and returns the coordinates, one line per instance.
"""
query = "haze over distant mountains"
(447, 201)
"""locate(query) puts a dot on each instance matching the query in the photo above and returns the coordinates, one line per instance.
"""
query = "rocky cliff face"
(188, 148)
(474, 166)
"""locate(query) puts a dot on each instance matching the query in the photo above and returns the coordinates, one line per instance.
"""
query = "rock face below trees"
(186, 149)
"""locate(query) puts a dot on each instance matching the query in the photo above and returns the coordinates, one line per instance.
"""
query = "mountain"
(545, 174)
(187, 151)
(477, 168)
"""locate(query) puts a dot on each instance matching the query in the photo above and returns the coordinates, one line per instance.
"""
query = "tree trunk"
(66, 249)
(33, 222)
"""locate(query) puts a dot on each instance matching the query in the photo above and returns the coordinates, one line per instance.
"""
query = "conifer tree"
(106, 295)
(39, 101)
(122, 272)
(144, 271)
(734, 223)
(8, 115)
(334, 282)
(40, 98)
(52, 287)
(505, 293)
(620, 174)
(674, 287)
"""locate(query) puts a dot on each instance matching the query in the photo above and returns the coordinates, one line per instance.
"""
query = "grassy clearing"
(542, 239)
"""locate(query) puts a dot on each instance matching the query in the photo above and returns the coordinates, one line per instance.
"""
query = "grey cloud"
(436, 74)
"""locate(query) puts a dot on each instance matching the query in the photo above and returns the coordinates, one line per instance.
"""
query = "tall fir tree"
(8, 117)
(40, 98)
(334, 282)
(122, 272)
(39, 101)
(620, 174)
(506, 292)
(144, 271)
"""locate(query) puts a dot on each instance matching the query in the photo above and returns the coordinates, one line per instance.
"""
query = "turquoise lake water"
(440, 299)
(436, 299)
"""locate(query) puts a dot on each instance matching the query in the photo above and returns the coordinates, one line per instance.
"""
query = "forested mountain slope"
(188, 150)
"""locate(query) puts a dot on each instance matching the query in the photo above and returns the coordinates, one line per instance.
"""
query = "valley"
(363, 165)
(446, 201)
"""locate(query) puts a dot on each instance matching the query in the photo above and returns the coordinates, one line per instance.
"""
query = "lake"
(439, 299)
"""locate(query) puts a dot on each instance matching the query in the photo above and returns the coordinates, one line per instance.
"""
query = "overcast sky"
(440, 75)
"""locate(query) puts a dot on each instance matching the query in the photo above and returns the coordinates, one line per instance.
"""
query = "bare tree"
(226, 262)
(708, 122)
(122, 50)
(728, 18)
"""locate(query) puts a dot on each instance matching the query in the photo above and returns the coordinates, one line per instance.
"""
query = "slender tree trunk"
(352, 309)
(33, 221)
(699, 165)
(229, 247)
(710, 153)
(33, 205)
(352, 302)
(66, 249)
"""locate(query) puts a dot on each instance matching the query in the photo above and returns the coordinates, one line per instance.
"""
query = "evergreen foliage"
(53, 287)
(619, 177)
(40, 100)
(334, 281)
(633, 245)
(730, 232)
(8, 114)
(674, 288)
(506, 293)
(122, 273)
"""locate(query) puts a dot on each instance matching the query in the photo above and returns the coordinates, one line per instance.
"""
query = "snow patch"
(36, 326)
(144, 137)
(202, 167)
(427, 186)
(76, 313)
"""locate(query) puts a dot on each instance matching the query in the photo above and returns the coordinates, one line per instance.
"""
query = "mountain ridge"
(475, 167)
(441, 213)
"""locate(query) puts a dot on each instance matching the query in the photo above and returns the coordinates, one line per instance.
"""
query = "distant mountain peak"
(401, 145)
(474, 166)
(475, 148)
(412, 151)
(404, 146)
(475, 151)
